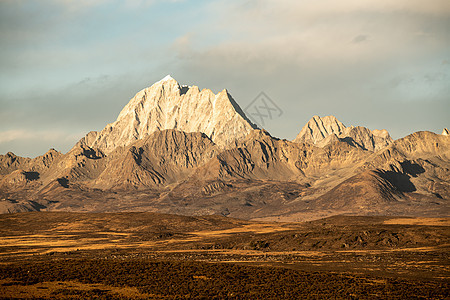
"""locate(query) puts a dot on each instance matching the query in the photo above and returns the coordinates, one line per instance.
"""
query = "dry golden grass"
(420, 221)
(409, 248)
(10, 289)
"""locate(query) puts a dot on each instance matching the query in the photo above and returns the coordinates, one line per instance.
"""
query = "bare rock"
(323, 131)
(319, 128)
(167, 105)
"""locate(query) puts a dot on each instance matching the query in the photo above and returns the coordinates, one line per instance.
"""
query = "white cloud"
(11, 135)
(320, 31)
(78, 5)
(313, 8)
(351, 58)
(41, 135)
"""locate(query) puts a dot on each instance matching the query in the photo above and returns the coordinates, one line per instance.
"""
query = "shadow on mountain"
(37, 206)
(399, 180)
(64, 182)
(352, 142)
(184, 90)
(31, 175)
(412, 168)
(91, 153)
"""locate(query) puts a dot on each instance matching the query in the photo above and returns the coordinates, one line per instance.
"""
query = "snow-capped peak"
(167, 78)
(168, 105)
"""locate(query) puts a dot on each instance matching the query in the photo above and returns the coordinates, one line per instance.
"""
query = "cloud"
(359, 39)
(320, 8)
(74, 64)
(328, 57)
(303, 33)
(29, 142)
(11, 135)
(76, 6)
(26, 134)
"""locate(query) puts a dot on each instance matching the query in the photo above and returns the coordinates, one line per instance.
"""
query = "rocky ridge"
(321, 131)
(229, 168)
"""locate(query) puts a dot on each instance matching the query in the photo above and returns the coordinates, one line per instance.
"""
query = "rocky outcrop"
(424, 144)
(12, 206)
(366, 139)
(322, 131)
(18, 179)
(10, 162)
(319, 128)
(263, 157)
(167, 105)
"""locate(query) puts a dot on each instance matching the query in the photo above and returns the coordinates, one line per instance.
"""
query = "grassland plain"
(52, 255)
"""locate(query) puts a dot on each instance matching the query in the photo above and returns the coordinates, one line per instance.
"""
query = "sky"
(68, 67)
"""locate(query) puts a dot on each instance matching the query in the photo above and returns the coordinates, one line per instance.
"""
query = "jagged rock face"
(326, 130)
(11, 162)
(366, 139)
(423, 144)
(419, 148)
(263, 157)
(18, 178)
(44, 162)
(167, 105)
(81, 163)
(319, 128)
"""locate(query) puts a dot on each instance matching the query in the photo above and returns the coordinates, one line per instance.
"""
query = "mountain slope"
(162, 158)
(261, 177)
(176, 149)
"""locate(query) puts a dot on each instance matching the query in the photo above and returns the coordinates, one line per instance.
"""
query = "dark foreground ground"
(147, 255)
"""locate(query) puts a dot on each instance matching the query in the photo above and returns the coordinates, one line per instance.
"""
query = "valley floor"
(148, 255)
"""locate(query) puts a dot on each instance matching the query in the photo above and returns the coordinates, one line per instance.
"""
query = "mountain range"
(176, 149)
